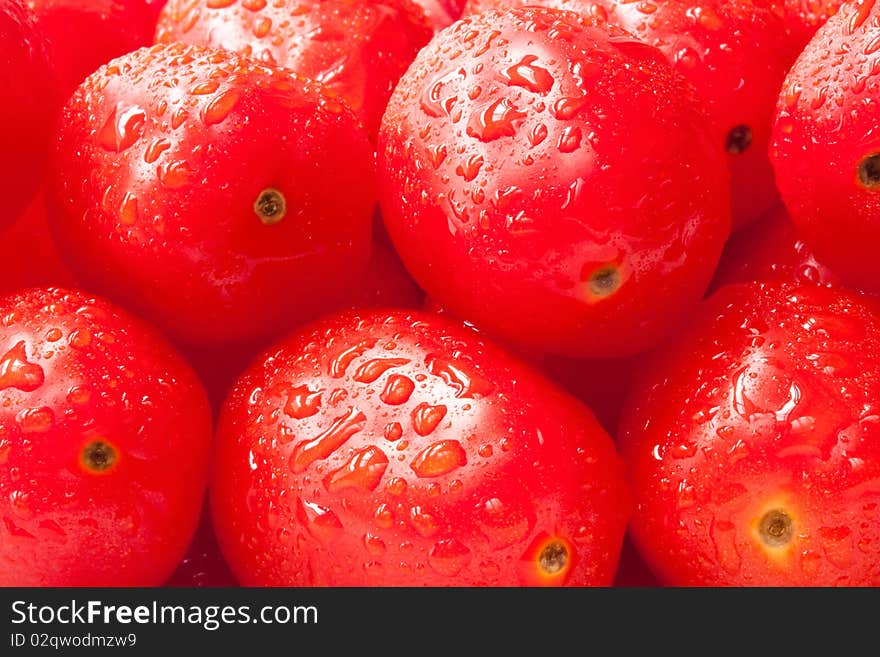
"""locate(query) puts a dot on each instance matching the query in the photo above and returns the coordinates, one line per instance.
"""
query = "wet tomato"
(393, 448)
(753, 442)
(204, 191)
(104, 438)
(525, 189)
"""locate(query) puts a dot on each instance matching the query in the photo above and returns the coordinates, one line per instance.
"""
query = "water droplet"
(537, 134)
(128, 209)
(398, 390)
(393, 431)
(173, 174)
(79, 395)
(449, 557)
(705, 17)
(424, 523)
(318, 520)
(495, 120)
(155, 149)
(528, 75)
(567, 108)
(383, 517)
(485, 451)
(470, 169)
(363, 470)
(219, 4)
(502, 524)
(463, 380)
(322, 446)
(221, 106)
(374, 545)
(439, 458)
(303, 402)
(205, 88)
(569, 139)
(376, 367)
(122, 128)
(17, 372)
(425, 417)
(80, 338)
(36, 420)
(340, 362)
(396, 486)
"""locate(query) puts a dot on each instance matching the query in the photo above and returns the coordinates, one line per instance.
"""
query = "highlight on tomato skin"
(752, 442)
(396, 448)
(104, 441)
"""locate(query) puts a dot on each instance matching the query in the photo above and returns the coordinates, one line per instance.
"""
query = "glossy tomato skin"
(82, 35)
(735, 53)
(104, 438)
(753, 442)
(27, 111)
(825, 146)
(358, 48)
(391, 448)
(149, 203)
(484, 182)
(771, 250)
(30, 258)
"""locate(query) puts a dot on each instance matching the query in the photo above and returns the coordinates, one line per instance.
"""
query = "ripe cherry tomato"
(753, 442)
(357, 48)
(27, 110)
(736, 54)
(205, 191)
(84, 34)
(104, 437)
(553, 182)
(771, 250)
(826, 147)
(394, 448)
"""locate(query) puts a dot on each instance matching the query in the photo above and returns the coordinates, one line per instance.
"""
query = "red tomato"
(84, 34)
(27, 109)
(203, 565)
(29, 256)
(736, 55)
(358, 48)
(104, 437)
(555, 183)
(389, 448)
(771, 250)
(753, 442)
(826, 147)
(150, 203)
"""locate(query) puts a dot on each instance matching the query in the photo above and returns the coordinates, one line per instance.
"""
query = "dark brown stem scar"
(776, 528)
(553, 558)
(604, 282)
(869, 171)
(270, 206)
(98, 456)
(739, 139)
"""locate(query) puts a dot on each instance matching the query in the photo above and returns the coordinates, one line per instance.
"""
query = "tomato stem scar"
(739, 139)
(270, 206)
